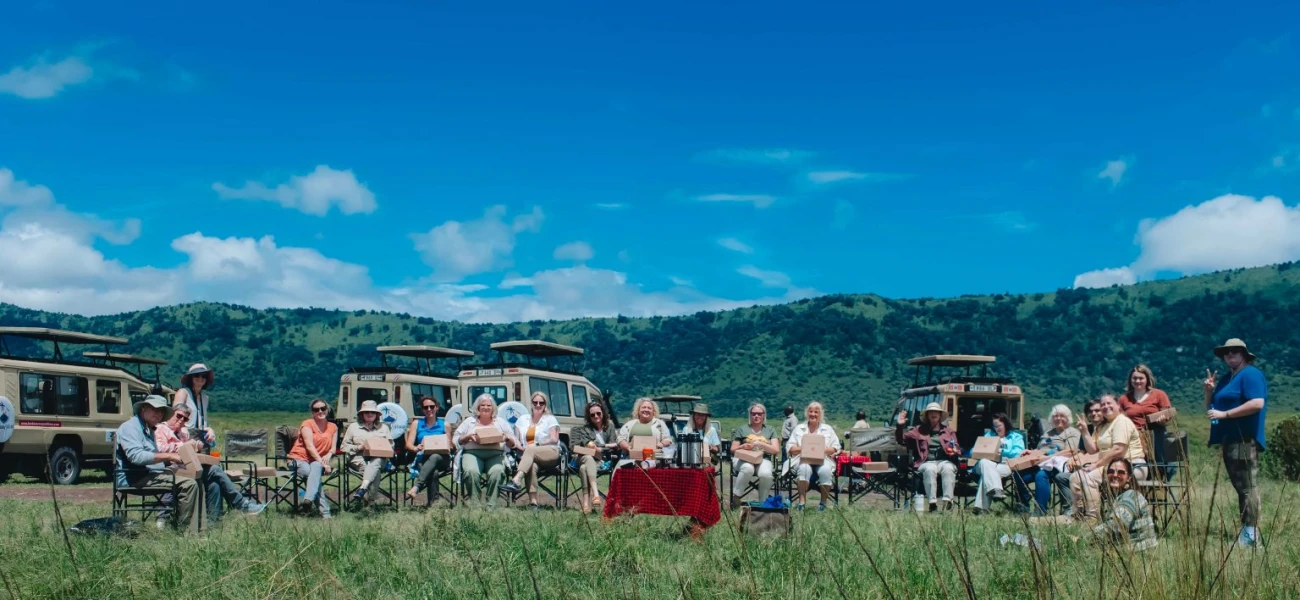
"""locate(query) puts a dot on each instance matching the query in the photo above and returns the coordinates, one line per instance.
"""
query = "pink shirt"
(168, 440)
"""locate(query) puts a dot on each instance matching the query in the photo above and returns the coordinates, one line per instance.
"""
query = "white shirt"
(199, 416)
(548, 429)
(825, 430)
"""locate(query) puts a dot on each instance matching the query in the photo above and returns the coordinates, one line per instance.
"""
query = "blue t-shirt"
(422, 430)
(1246, 385)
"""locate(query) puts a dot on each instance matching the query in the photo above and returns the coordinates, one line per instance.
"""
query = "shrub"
(1282, 460)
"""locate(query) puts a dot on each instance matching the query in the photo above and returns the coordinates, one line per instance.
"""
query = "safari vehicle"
(63, 410)
(675, 410)
(401, 386)
(962, 385)
(526, 366)
(130, 359)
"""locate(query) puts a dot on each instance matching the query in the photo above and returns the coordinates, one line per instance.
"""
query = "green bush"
(1282, 460)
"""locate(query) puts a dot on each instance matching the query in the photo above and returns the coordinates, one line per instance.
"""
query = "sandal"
(596, 501)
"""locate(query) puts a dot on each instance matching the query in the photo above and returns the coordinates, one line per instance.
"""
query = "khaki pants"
(476, 462)
(369, 468)
(187, 494)
(936, 476)
(588, 471)
(1241, 460)
(535, 456)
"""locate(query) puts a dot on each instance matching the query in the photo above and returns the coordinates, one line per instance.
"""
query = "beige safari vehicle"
(962, 385)
(526, 366)
(138, 362)
(60, 409)
(402, 386)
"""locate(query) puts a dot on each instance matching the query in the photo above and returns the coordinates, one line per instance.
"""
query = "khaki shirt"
(1120, 431)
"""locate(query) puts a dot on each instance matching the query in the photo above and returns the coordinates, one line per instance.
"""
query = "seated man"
(171, 434)
(140, 464)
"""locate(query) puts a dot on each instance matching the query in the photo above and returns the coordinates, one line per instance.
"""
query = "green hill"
(847, 350)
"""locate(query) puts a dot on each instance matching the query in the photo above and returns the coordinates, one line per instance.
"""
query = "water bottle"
(918, 503)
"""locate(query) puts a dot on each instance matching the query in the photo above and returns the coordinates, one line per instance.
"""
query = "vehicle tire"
(65, 465)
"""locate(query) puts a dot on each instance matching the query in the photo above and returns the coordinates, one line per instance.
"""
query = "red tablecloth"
(665, 491)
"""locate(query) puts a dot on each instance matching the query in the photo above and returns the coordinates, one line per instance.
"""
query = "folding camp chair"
(881, 446)
(446, 482)
(289, 486)
(608, 458)
(251, 477)
(1165, 487)
(153, 500)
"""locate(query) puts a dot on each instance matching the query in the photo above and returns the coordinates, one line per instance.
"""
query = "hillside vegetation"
(848, 350)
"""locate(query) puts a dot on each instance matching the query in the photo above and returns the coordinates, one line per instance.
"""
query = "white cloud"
(42, 79)
(844, 213)
(313, 193)
(1228, 232)
(611, 205)
(1011, 221)
(758, 200)
(20, 193)
(1286, 159)
(760, 156)
(455, 249)
(678, 281)
(840, 176)
(736, 245)
(24, 204)
(776, 279)
(1105, 278)
(575, 251)
(511, 282)
(1115, 170)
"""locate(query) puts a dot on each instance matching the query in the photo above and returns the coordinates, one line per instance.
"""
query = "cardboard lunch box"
(640, 442)
(873, 467)
(1168, 414)
(489, 435)
(195, 461)
(812, 449)
(586, 450)
(436, 444)
(1027, 460)
(377, 448)
(988, 448)
(752, 457)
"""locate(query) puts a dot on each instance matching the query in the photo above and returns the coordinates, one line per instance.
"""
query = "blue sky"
(557, 160)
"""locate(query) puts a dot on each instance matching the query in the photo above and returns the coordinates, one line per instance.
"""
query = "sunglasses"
(1116, 472)
(757, 414)
(596, 413)
(539, 404)
(429, 407)
(317, 409)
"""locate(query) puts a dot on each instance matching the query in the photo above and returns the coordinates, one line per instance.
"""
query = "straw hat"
(199, 369)
(1234, 344)
(369, 406)
(935, 407)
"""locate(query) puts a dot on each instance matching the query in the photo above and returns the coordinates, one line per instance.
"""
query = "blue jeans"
(314, 472)
(1044, 479)
(217, 487)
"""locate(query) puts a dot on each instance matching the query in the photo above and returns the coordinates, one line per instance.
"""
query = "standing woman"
(367, 427)
(310, 456)
(476, 457)
(430, 426)
(195, 384)
(826, 470)
(1237, 407)
(540, 434)
(596, 432)
(1140, 403)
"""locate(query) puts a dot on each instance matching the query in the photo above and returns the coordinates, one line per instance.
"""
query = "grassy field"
(852, 552)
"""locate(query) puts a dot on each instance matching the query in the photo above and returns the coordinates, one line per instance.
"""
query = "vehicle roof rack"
(125, 358)
(57, 336)
(536, 348)
(677, 398)
(424, 351)
(952, 360)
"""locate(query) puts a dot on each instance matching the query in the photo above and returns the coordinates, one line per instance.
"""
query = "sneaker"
(534, 507)
(254, 508)
(512, 487)
(799, 506)
(821, 507)
(161, 523)
(997, 494)
(1246, 540)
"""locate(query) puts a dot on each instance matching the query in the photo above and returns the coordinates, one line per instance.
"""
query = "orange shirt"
(322, 440)
(1156, 401)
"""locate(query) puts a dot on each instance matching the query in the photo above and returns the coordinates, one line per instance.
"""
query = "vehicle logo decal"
(6, 419)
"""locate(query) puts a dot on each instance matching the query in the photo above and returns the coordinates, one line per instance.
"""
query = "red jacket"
(917, 441)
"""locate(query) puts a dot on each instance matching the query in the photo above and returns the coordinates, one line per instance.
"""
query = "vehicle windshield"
(379, 395)
(498, 392)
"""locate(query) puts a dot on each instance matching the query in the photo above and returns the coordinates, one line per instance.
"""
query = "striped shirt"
(1130, 519)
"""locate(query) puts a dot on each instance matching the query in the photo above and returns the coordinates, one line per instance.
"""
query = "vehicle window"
(37, 394)
(74, 397)
(138, 396)
(438, 392)
(498, 392)
(556, 391)
(108, 397)
(379, 395)
(579, 397)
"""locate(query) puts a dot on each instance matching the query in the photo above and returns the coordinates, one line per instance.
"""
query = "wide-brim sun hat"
(369, 406)
(1234, 344)
(157, 402)
(935, 407)
(701, 408)
(199, 369)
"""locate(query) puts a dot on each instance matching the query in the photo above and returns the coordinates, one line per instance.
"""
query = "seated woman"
(477, 458)
(311, 453)
(427, 427)
(934, 449)
(1059, 438)
(1114, 439)
(754, 436)
(699, 423)
(1011, 444)
(598, 432)
(1127, 515)
(367, 427)
(171, 434)
(540, 433)
(645, 422)
(826, 470)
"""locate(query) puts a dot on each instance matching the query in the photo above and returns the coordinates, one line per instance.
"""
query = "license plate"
(370, 377)
(488, 372)
(981, 388)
